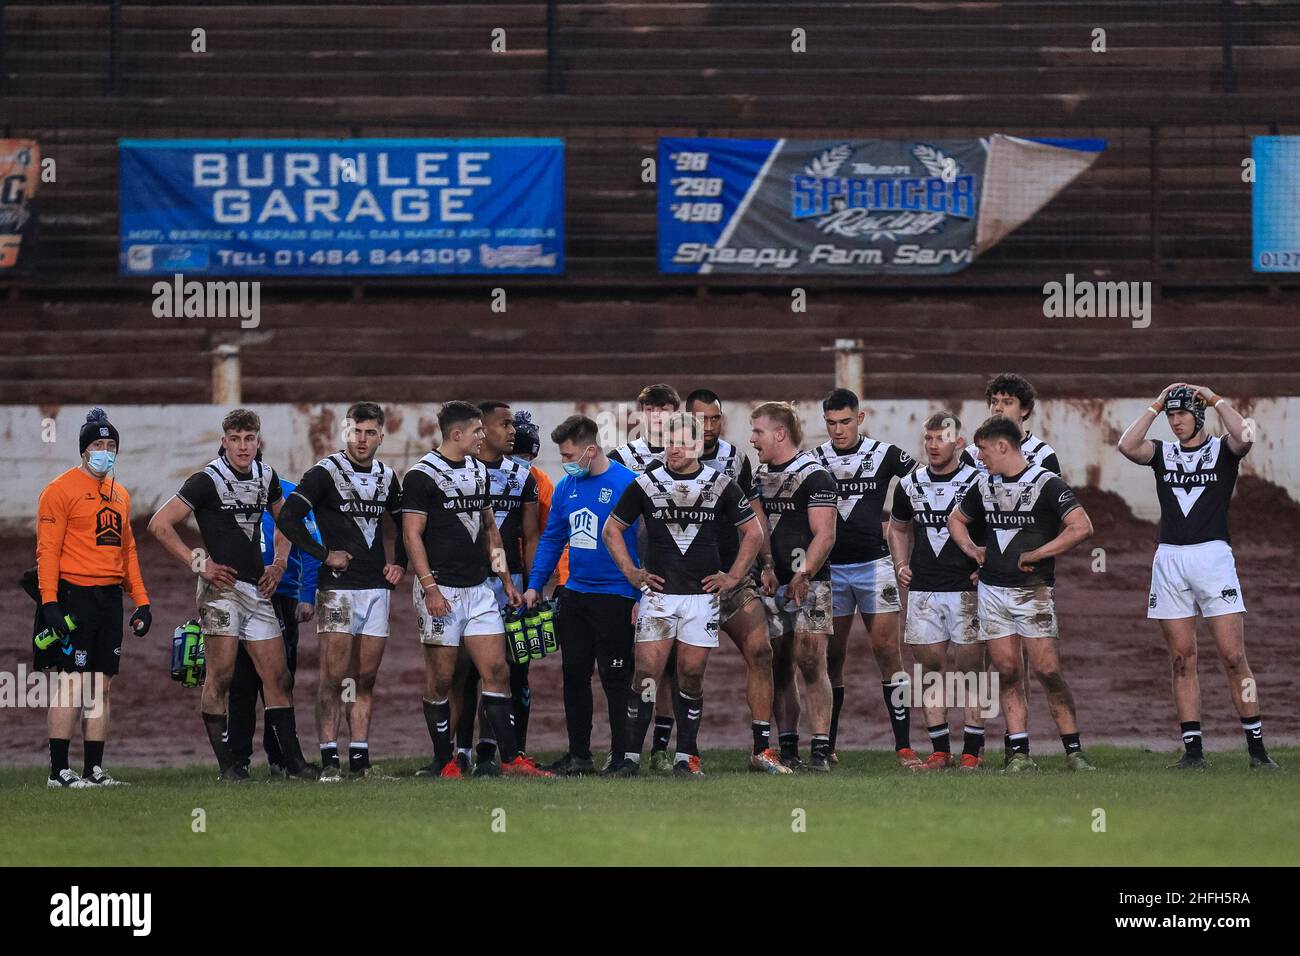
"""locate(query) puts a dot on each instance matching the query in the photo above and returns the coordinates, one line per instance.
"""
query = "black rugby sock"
(501, 716)
(437, 718)
(639, 714)
(972, 740)
(1254, 730)
(837, 704)
(58, 755)
(329, 754)
(1191, 731)
(358, 755)
(762, 735)
(821, 746)
(1071, 743)
(663, 733)
(940, 741)
(789, 743)
(94, 756)
(215, 725)
(690, 709)
(1019, 743)
(900, 718)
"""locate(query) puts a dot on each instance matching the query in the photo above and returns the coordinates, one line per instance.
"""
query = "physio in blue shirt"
(594, 619)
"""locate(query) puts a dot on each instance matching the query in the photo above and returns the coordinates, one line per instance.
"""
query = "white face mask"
(101, 462)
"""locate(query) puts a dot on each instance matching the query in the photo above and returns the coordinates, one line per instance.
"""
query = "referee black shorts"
(96, 643)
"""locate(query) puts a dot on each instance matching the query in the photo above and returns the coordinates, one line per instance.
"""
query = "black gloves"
(52, 617)
(141, 620)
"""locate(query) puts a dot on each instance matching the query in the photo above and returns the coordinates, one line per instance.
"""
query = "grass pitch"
(868, 812)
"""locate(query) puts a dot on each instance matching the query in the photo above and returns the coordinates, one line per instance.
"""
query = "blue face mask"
(575, 469)
(101, 462)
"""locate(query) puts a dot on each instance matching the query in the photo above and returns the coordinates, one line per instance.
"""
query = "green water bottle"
(549, 643)
(515, 636)
(49, 637)
(533, 626)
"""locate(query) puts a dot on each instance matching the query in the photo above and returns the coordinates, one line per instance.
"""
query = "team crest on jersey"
(81, 660)
(108, 528)
(606, 494)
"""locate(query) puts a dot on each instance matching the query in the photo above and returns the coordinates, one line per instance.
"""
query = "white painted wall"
(163, 444)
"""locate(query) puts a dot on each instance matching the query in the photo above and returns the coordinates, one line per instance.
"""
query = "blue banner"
(1275, 204)
(855, 206)
(342, 207)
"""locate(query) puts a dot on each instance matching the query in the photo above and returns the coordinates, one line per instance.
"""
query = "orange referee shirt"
(546, 488)
(83, 535)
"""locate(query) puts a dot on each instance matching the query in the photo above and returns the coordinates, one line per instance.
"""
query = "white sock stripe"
(1191, 733)
(979, 731)
(1255, 725)
(332, 743)
(499, 696)
(358, 745)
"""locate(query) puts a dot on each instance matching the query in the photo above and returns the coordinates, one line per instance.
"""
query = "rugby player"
(227, 499)
(350, 491)
(450, 533)
(799, 498)
(294, 601)
(528, 445)
(740, 608)
(1194, 571)
(1031, 516)
(653, 405)
(862, 570)
(940, 578)
(1012, 395)
(85, 555)
(594, 622)
(515, 505)
(684, 504)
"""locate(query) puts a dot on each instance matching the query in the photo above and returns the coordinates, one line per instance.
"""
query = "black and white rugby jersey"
(926, 499)
(862, 476)
(350, 504)
(787, 492)
(511, 486)
(734, 463)
(1194, 487)
(452, 496)
(1022, 513)
(637, 454)
(683, 515)
(1035, 450)
(228, 507)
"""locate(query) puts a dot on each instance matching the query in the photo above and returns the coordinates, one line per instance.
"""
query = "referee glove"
(141, 620)
(52, 617)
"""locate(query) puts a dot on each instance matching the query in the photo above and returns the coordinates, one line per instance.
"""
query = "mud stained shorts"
(95, 645)
(937, 616)
(1029, 612)
(473, 613)
(355, 612)
(236, 612)
(689, 618)
(1191, 578)
(814, 615)
(499, 589)
(734, 600)
(866, 588)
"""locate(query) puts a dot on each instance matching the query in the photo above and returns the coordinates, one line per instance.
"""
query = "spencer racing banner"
(20, 163)
(342, 207)
(871, 206)
(1275, 204)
